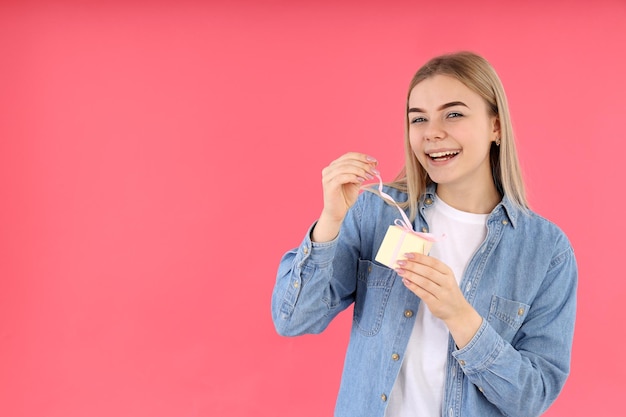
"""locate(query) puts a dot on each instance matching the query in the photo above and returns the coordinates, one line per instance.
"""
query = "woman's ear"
(496, 131)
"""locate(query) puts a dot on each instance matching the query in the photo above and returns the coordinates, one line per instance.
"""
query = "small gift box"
(400, 237)
(398, 241)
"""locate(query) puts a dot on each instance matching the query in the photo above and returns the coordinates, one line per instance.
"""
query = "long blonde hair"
(478, 75)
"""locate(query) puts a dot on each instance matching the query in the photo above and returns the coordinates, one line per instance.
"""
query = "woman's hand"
(434, 283)
(341, 181)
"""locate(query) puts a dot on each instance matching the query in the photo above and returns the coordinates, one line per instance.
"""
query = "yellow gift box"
(397, 242)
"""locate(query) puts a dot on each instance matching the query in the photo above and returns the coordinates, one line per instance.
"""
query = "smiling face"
(451, 131)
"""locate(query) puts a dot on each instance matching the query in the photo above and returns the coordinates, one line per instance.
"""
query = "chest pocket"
(373, 287)
(506, 316)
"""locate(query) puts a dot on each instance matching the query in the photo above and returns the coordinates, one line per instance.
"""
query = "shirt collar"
(504, 208)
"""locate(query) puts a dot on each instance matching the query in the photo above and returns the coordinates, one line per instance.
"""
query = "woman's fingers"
(341, 181)
(351, 167)
(432, 281)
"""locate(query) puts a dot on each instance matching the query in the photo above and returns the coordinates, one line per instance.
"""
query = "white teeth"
(442, 154)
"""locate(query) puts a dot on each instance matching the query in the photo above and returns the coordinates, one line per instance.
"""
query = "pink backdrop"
(157, 158)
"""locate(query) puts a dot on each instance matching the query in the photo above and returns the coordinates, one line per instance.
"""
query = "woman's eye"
(454, 114)
(417, 120)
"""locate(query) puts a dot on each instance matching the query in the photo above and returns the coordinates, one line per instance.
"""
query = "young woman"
(483, 326)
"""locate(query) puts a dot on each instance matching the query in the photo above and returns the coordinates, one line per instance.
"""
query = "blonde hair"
(478, 75)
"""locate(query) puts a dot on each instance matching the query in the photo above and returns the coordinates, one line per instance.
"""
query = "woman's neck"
(474, 200)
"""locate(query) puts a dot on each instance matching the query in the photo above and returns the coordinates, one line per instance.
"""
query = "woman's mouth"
(442, 156)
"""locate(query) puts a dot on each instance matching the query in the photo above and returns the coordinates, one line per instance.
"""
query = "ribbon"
(404, 223)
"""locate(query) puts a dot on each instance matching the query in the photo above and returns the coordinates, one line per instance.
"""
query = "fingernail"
(401, 262)
(374, 171)
(399, 271)
(409, 255)
(371, 159)
(369, 177)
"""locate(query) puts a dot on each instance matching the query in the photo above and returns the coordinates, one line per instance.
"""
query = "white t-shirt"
(418, 390)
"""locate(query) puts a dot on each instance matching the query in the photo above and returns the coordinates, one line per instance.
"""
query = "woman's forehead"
(441, 89)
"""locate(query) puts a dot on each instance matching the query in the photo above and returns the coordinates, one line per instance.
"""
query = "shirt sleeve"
(524, 377)
(316, 281)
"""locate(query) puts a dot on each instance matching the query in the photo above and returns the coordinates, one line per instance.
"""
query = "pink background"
(157, 159)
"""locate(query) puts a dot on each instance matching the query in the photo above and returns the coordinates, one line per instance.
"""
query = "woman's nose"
(434, 131)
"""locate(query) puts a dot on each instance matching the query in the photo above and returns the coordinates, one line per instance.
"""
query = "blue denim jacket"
(522, 280)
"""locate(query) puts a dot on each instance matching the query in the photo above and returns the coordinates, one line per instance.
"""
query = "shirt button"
(408, 314)
(480, 389)
(520, 311)
(424, 229)
(305, 250)
(462, 362)
(428, 201)
(383, 397)
(395, 356)
(505, 222)
(369, 269)
(296, 284)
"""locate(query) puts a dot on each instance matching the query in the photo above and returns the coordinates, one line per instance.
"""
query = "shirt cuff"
(481, 351)
(318, 253)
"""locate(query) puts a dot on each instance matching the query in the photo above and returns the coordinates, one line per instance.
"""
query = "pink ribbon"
(405, 223)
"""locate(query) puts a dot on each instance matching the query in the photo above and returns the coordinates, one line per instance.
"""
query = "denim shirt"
(522, 280)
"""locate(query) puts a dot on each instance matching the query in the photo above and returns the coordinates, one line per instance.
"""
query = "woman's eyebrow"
(442, 107)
